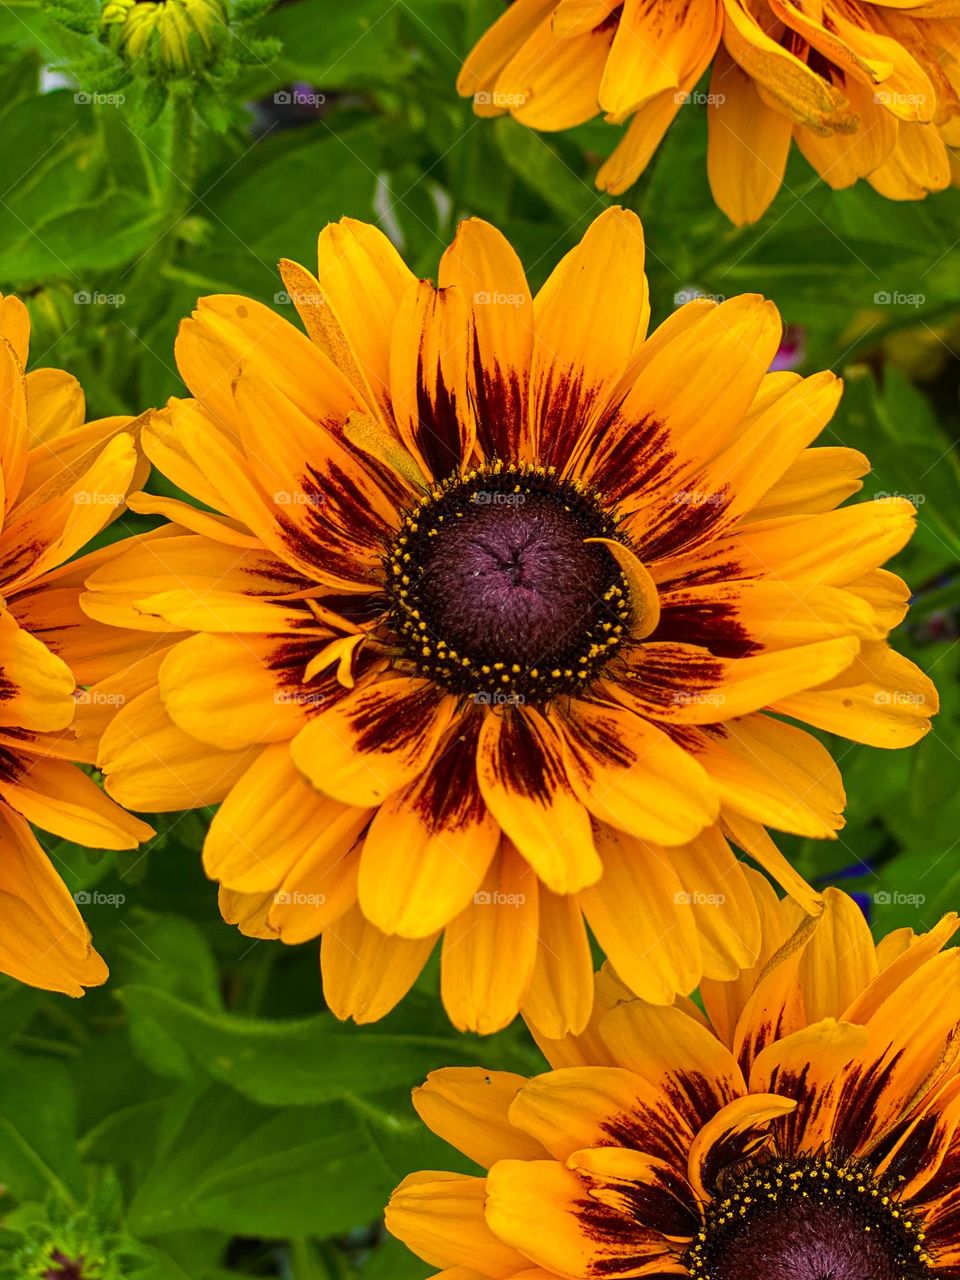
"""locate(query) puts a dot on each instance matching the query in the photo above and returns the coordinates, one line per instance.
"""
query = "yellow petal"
(36, 687)
(636, 148)
(560, 996)
(882, 699)
(429, 846)
(807, 1067)
(687, 685)
(271, 820)
(629, 774)
(639, 915)
(468, 1106)
(230, 691)
(365, 973)
(775, 774)
(523, 782)
(14, 432)
(741, 1128)
(591, 315)
(748, 144)
(484, 267)
(541, 1208)
(154, 767)
(363, 279)
(45, 942)
(499, 43)
(550, 83)
(440, 1217)
(657, 48)
(374, 741)
(429, 389)
(490, 948)
(62, 800)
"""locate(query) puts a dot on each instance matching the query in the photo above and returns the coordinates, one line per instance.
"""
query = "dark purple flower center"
(496, 591)
(64, 1268)
(809, 1220)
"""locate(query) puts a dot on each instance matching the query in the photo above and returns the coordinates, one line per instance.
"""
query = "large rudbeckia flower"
(63, 481)
(805, 1128)
(867, 90)
(489, 631)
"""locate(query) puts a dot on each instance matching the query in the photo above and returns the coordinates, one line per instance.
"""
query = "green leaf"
(38, 1147)
(540, 165)
(95, 237)
(337, 46)
(278, 196)
(164, 950)
(311, 1060)
(223, 1162)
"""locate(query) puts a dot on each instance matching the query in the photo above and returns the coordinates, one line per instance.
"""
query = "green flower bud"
(176, 36)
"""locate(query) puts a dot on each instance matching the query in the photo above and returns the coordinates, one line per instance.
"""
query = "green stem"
(312, 1262)
(182, 160)
(175, 195)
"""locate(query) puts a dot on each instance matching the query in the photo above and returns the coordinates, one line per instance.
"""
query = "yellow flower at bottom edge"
(866, 90)
(63, 481)
(500, 622)
(805, 1128)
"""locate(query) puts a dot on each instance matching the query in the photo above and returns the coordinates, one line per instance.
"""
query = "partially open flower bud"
(178, 36)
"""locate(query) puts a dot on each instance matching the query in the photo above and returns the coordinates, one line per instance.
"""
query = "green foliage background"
(203, 1117)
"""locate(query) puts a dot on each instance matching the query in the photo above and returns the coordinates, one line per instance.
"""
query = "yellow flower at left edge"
(64, 480)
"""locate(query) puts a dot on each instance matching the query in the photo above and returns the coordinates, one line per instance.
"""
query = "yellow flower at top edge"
(63, 481)
(867, 90)
(804, 1128)
(496, 619)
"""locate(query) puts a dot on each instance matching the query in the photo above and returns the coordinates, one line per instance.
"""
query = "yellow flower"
(486, 636)
(179, 34)
(867, 90)
(63, 482)
(806, 1127)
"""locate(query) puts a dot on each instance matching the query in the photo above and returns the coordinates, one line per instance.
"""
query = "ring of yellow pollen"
(808, 1219)
(495, 590)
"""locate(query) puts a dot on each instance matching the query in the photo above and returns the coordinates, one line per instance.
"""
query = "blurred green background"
(202, 1117)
